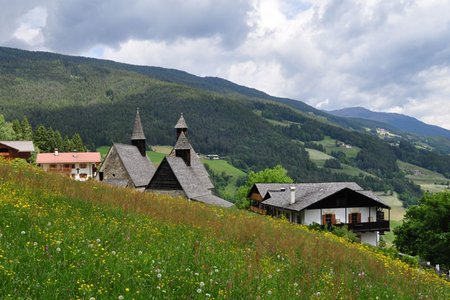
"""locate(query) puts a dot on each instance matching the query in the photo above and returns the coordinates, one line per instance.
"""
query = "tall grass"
(66, 239)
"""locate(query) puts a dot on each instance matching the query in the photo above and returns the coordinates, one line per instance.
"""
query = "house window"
(73, 166)
(53, 166)
(66, 166)
(83, 166)
(354, 218)
(4, 150)
(328, 219)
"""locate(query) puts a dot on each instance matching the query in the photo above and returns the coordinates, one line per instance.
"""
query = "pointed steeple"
(183, 149)
(138, 137)
(181, 126)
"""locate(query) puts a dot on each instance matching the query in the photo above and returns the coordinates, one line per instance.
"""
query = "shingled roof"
(197, 166)
(182, 143)
(20, 146)
(138, 132)
(138, 167)
(181, 124)
(192, 184)
(307, 194)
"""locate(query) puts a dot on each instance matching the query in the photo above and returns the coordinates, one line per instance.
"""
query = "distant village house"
(77, 165)
(16, 149)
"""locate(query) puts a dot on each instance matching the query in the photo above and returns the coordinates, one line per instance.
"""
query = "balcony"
(380, 225)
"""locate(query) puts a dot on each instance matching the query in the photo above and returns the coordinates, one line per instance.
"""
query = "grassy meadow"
(428, 180)
(330, 145)
(221, 165)
(85, 240)
(319, 158)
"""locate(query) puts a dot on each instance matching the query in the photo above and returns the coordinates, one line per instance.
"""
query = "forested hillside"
(98, 98)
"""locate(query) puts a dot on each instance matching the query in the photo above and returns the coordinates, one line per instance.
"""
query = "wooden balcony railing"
(380, 225)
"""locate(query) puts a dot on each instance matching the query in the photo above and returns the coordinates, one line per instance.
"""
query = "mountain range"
(395, 121)
(253, 130)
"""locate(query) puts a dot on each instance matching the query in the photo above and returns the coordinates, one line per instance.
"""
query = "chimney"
(56, 152)
(292, 200)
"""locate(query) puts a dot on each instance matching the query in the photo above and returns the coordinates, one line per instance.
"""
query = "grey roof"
(307, 194)
(21, 146)
(196, 165)
(139, 168)
(118, 182)
(187, 178)
(181, 124)
(138, 132)
(214, 200)
(192, 184)
(182, 143)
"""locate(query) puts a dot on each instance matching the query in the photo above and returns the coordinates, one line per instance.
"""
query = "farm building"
(16, 149)
(77, 165)
(337, 204)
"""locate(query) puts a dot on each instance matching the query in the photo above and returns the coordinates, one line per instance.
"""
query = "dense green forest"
(98, 99)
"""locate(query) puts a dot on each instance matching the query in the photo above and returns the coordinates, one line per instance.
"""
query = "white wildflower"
(199, 291)
(22, 232)
(120, 297)
(202, 284)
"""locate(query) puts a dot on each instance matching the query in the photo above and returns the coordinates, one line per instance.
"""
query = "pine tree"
(67, 145)
(27, 130)
(6, 130)
(17, 130)
(40, 138)
(78, 143)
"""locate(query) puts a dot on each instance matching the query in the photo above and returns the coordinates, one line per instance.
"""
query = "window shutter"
(333, 219)
(324, 220)
(349, 218)
(359, 217)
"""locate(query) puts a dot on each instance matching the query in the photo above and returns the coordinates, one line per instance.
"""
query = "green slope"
(98, 98)
(66, 239)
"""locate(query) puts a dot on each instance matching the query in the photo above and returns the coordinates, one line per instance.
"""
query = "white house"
(77, 165)
(336, 203)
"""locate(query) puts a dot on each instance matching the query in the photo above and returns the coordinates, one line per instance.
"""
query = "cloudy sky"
(389, 56)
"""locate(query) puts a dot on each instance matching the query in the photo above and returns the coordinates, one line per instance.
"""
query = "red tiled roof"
(68, 157)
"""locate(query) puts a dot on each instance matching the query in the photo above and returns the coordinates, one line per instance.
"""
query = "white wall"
(371, 238)
(312, 215)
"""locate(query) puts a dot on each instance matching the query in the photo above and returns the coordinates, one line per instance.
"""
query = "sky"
(391, 56)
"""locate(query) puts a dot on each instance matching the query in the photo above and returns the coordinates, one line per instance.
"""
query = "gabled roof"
(20, 146)
(138, 132)
(187, 178)
(182, 143)
(139, 168)
(181, 124)
(197, 166)
(307, 194)
(68, 157)
(191, 183)
(263, 188)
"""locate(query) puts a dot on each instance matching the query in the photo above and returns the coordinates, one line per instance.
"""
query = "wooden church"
(183, 174)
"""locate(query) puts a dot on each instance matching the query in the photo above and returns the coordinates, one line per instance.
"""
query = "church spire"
(138, 137)
(181, 126)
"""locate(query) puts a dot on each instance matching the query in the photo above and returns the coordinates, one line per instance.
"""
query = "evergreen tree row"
(45, 139)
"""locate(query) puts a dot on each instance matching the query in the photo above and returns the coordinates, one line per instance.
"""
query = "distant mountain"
(397, 121)
(98, 98)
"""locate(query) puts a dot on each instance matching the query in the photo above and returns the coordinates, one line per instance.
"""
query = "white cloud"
(384, 55)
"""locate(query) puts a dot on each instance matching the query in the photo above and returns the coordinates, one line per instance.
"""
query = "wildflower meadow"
(61, 239)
